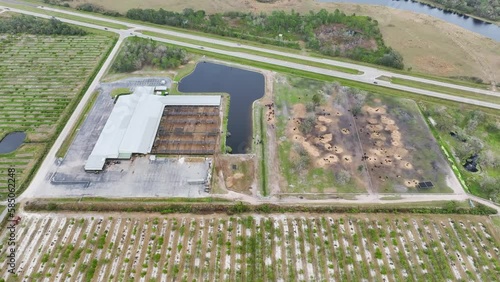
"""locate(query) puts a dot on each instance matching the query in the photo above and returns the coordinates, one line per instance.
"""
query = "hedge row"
(238, 208)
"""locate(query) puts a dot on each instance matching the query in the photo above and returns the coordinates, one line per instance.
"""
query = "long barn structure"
(133, 124)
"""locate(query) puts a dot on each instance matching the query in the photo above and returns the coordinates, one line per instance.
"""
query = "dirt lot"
(427, 44)
(238, 172)
(351, 141)
(295, 247)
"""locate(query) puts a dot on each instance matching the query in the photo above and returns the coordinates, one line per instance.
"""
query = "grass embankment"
(103, 205)
(259, 130)
(254, 52)
(445, 90)
(225, 118)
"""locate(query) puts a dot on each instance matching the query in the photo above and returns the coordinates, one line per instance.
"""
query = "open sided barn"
(188, 130)
(144, 123)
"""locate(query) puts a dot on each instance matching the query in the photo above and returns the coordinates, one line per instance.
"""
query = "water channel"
(484, 28)
(11, 142)
(243, 86)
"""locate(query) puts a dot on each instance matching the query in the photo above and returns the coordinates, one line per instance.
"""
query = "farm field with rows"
(295, 247)
(41, 79)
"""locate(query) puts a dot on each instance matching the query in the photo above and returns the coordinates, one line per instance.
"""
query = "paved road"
(369, 75)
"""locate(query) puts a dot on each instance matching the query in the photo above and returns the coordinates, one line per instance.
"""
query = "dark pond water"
(11, 142)
(487, 29)
(243, 86)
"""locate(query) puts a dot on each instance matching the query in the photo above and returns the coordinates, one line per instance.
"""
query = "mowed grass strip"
(41, 78)
(253, 52)
(445, 90)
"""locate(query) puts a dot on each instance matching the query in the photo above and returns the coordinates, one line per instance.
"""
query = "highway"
(368, 76)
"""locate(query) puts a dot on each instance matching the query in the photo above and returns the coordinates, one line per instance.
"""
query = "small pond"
(243, 86)
(11, 142)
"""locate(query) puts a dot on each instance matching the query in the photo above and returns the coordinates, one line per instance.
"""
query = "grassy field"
(427, 44)
(320, 146)
(296, 247)
(445, 90)
(470, 127)
(41, 79)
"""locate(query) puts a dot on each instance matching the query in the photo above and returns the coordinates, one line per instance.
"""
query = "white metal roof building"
(131, 127)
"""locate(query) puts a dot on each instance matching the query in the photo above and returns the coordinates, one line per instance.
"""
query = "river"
(484, 28)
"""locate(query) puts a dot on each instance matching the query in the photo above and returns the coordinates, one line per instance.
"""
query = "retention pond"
(243, 86)
(11, 142)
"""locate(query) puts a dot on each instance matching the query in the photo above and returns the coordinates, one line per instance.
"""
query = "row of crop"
(38, 107)
(255, 248)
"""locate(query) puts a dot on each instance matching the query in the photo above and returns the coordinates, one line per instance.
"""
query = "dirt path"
(274, 174)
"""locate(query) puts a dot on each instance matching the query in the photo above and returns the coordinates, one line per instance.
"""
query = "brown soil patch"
(326, 138)
(374, 111)
(411, 183)
(372, 121)
(377, 135)
(299, 111)
(386, 120)
(270, 115)
(312, 150)
(321, 128)
(324, 119)
(338, 35)
(391, 127)
(396, 138)
(406, 165)
(347, 158)
(338, 149)
(345, 131)
(327, 160)
(238, 172)
(374, 127)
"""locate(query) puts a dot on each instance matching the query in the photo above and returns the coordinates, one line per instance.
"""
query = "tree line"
(137, 53)
(488, 9)
(287, 29)
(34, 25)
(329, 33)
